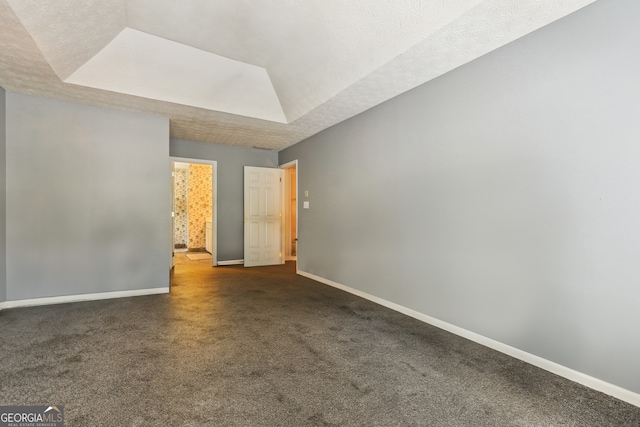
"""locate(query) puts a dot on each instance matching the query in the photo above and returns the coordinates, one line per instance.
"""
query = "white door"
(262, 216)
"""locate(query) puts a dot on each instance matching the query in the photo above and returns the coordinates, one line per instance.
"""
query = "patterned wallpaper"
(199, 203)
(180, 188)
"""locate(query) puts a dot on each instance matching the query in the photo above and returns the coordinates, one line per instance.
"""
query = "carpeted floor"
(264, 347)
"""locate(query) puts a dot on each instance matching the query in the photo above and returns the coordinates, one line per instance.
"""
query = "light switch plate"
(306, 193)
(305, 205)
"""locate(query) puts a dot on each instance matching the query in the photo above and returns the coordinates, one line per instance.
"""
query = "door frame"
(214, 201)
(286, 220)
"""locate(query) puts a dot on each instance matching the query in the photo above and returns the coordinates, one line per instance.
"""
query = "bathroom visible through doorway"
(194, 209)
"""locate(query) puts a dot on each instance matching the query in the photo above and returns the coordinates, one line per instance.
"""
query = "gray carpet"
(264, 347)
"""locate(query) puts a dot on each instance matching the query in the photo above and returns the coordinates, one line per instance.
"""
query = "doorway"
(194, 209)
(290, 222)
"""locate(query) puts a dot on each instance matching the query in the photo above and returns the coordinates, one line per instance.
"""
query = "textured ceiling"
(328, 60)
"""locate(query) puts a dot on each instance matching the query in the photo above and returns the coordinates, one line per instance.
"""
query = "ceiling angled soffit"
(148, 66)
(69, 33)
(482, 29)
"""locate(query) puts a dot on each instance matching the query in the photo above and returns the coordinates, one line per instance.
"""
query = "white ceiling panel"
(144, 65)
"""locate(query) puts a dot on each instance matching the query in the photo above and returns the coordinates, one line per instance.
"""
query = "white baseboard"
(584, 379)
(231, 262)
(81, 297)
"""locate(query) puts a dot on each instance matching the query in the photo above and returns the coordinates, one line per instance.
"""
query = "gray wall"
(3, 198)
(231, 161)
(88, 199)
(501, 197)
